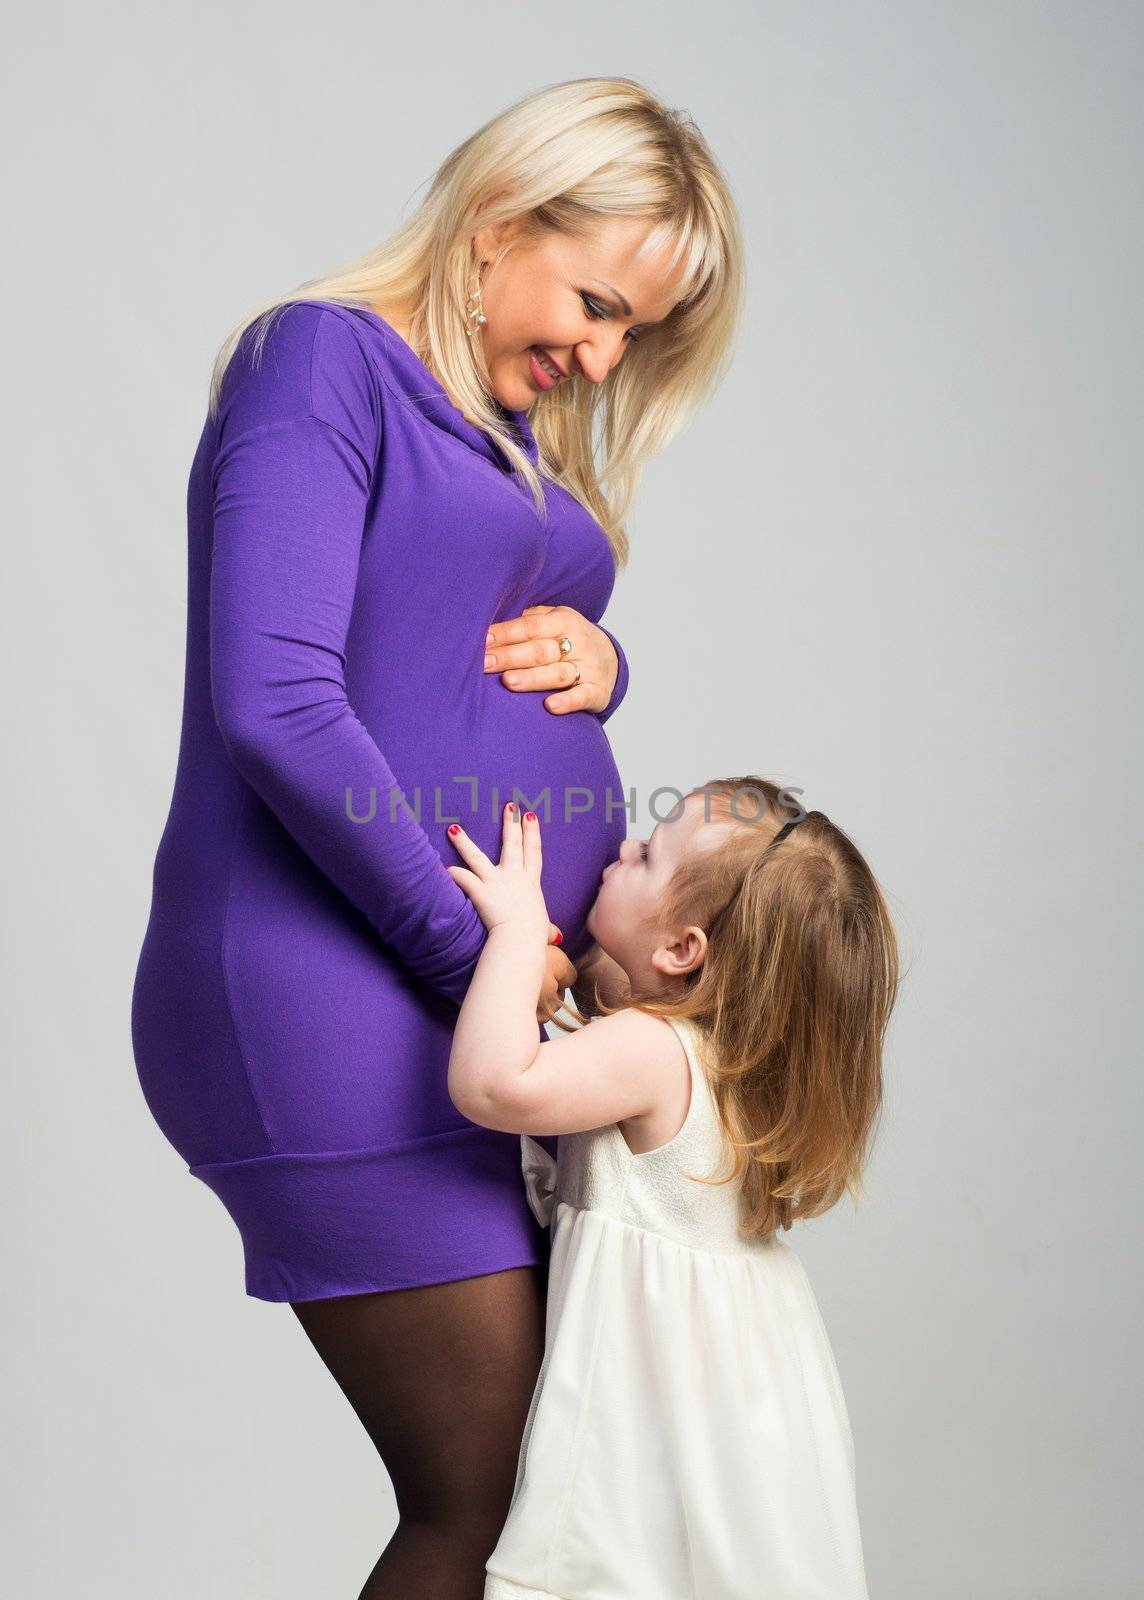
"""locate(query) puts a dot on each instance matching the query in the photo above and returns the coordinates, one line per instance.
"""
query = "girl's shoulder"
(660, 1041)
(630, 1068)
(666, 1045)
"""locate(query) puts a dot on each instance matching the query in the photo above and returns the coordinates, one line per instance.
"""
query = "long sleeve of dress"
(298, 443)
(620, 687)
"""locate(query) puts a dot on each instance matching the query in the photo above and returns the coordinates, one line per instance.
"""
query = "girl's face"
(576, 303)
(624, 918)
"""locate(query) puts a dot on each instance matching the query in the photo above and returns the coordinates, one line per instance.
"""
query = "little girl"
(688, 1435)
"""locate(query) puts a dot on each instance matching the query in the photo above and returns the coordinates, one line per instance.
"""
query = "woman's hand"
(509, 895)
(529, 645)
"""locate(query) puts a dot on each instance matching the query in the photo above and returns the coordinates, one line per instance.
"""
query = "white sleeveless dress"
(688, 1437)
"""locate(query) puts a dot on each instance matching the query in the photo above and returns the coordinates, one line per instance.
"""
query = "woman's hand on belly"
(525, 650)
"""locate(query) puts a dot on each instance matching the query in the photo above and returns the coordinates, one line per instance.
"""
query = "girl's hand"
(529, 645)
(507, 894)
(511, 893)
(560, 975)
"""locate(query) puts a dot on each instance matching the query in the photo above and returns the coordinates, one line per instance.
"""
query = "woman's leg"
(441, 1379)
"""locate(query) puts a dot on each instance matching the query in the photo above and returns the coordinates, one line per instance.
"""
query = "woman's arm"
(292, 478)
(620, 687)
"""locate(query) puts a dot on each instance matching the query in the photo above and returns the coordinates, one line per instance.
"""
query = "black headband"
(786, 828)
(779, 836)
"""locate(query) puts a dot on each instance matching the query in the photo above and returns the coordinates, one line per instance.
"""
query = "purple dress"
(351, 539)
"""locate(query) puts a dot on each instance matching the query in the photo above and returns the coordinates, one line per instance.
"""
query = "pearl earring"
(474, 314)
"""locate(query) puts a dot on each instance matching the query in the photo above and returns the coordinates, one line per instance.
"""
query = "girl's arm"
(500, 1075)
(495, 1040)
(616, 1068)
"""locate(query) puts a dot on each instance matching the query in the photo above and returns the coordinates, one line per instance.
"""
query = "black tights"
(441, 1379)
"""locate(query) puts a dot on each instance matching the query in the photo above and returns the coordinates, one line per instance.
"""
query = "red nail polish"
(530, 815)
(511, 806)
(454, 828)
(559, 939)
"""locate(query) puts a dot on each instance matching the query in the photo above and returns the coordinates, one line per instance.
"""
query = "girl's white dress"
(688, 1437)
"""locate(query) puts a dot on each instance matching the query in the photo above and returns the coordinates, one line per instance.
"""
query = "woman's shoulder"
(305, 358)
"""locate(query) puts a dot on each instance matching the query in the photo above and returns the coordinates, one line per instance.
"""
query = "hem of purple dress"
(398, 1216)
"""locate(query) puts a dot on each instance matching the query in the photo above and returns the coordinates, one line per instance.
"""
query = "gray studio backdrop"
(895, 562)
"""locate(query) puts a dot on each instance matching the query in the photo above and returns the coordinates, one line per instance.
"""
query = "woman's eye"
(599, 313)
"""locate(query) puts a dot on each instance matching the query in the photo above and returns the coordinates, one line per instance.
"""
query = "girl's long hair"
(563, 158)
(792, 999)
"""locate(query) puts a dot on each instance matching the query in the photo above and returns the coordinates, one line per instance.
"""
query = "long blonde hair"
(562, 158)
(792, 1000)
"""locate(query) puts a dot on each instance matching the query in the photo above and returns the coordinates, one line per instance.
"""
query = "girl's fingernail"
(513, 678)
(530, 816)
(454, 828)
(559, 938)
(511, 806)
(489, 637)
(490, 660)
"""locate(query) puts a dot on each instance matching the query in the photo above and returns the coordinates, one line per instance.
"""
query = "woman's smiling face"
(578, 303)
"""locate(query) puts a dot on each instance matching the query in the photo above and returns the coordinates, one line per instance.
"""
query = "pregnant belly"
(342, 1046)
(560, 766)
(264, 1018)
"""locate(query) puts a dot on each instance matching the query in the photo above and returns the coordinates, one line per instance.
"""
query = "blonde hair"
(563, 158)
(792, 999)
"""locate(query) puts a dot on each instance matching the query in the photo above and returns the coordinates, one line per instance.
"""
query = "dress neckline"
(421, 386)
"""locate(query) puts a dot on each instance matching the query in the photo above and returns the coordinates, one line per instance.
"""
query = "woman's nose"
(597, 360)
(593, 366)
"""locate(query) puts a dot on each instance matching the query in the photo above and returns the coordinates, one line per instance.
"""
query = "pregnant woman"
(399, 555)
